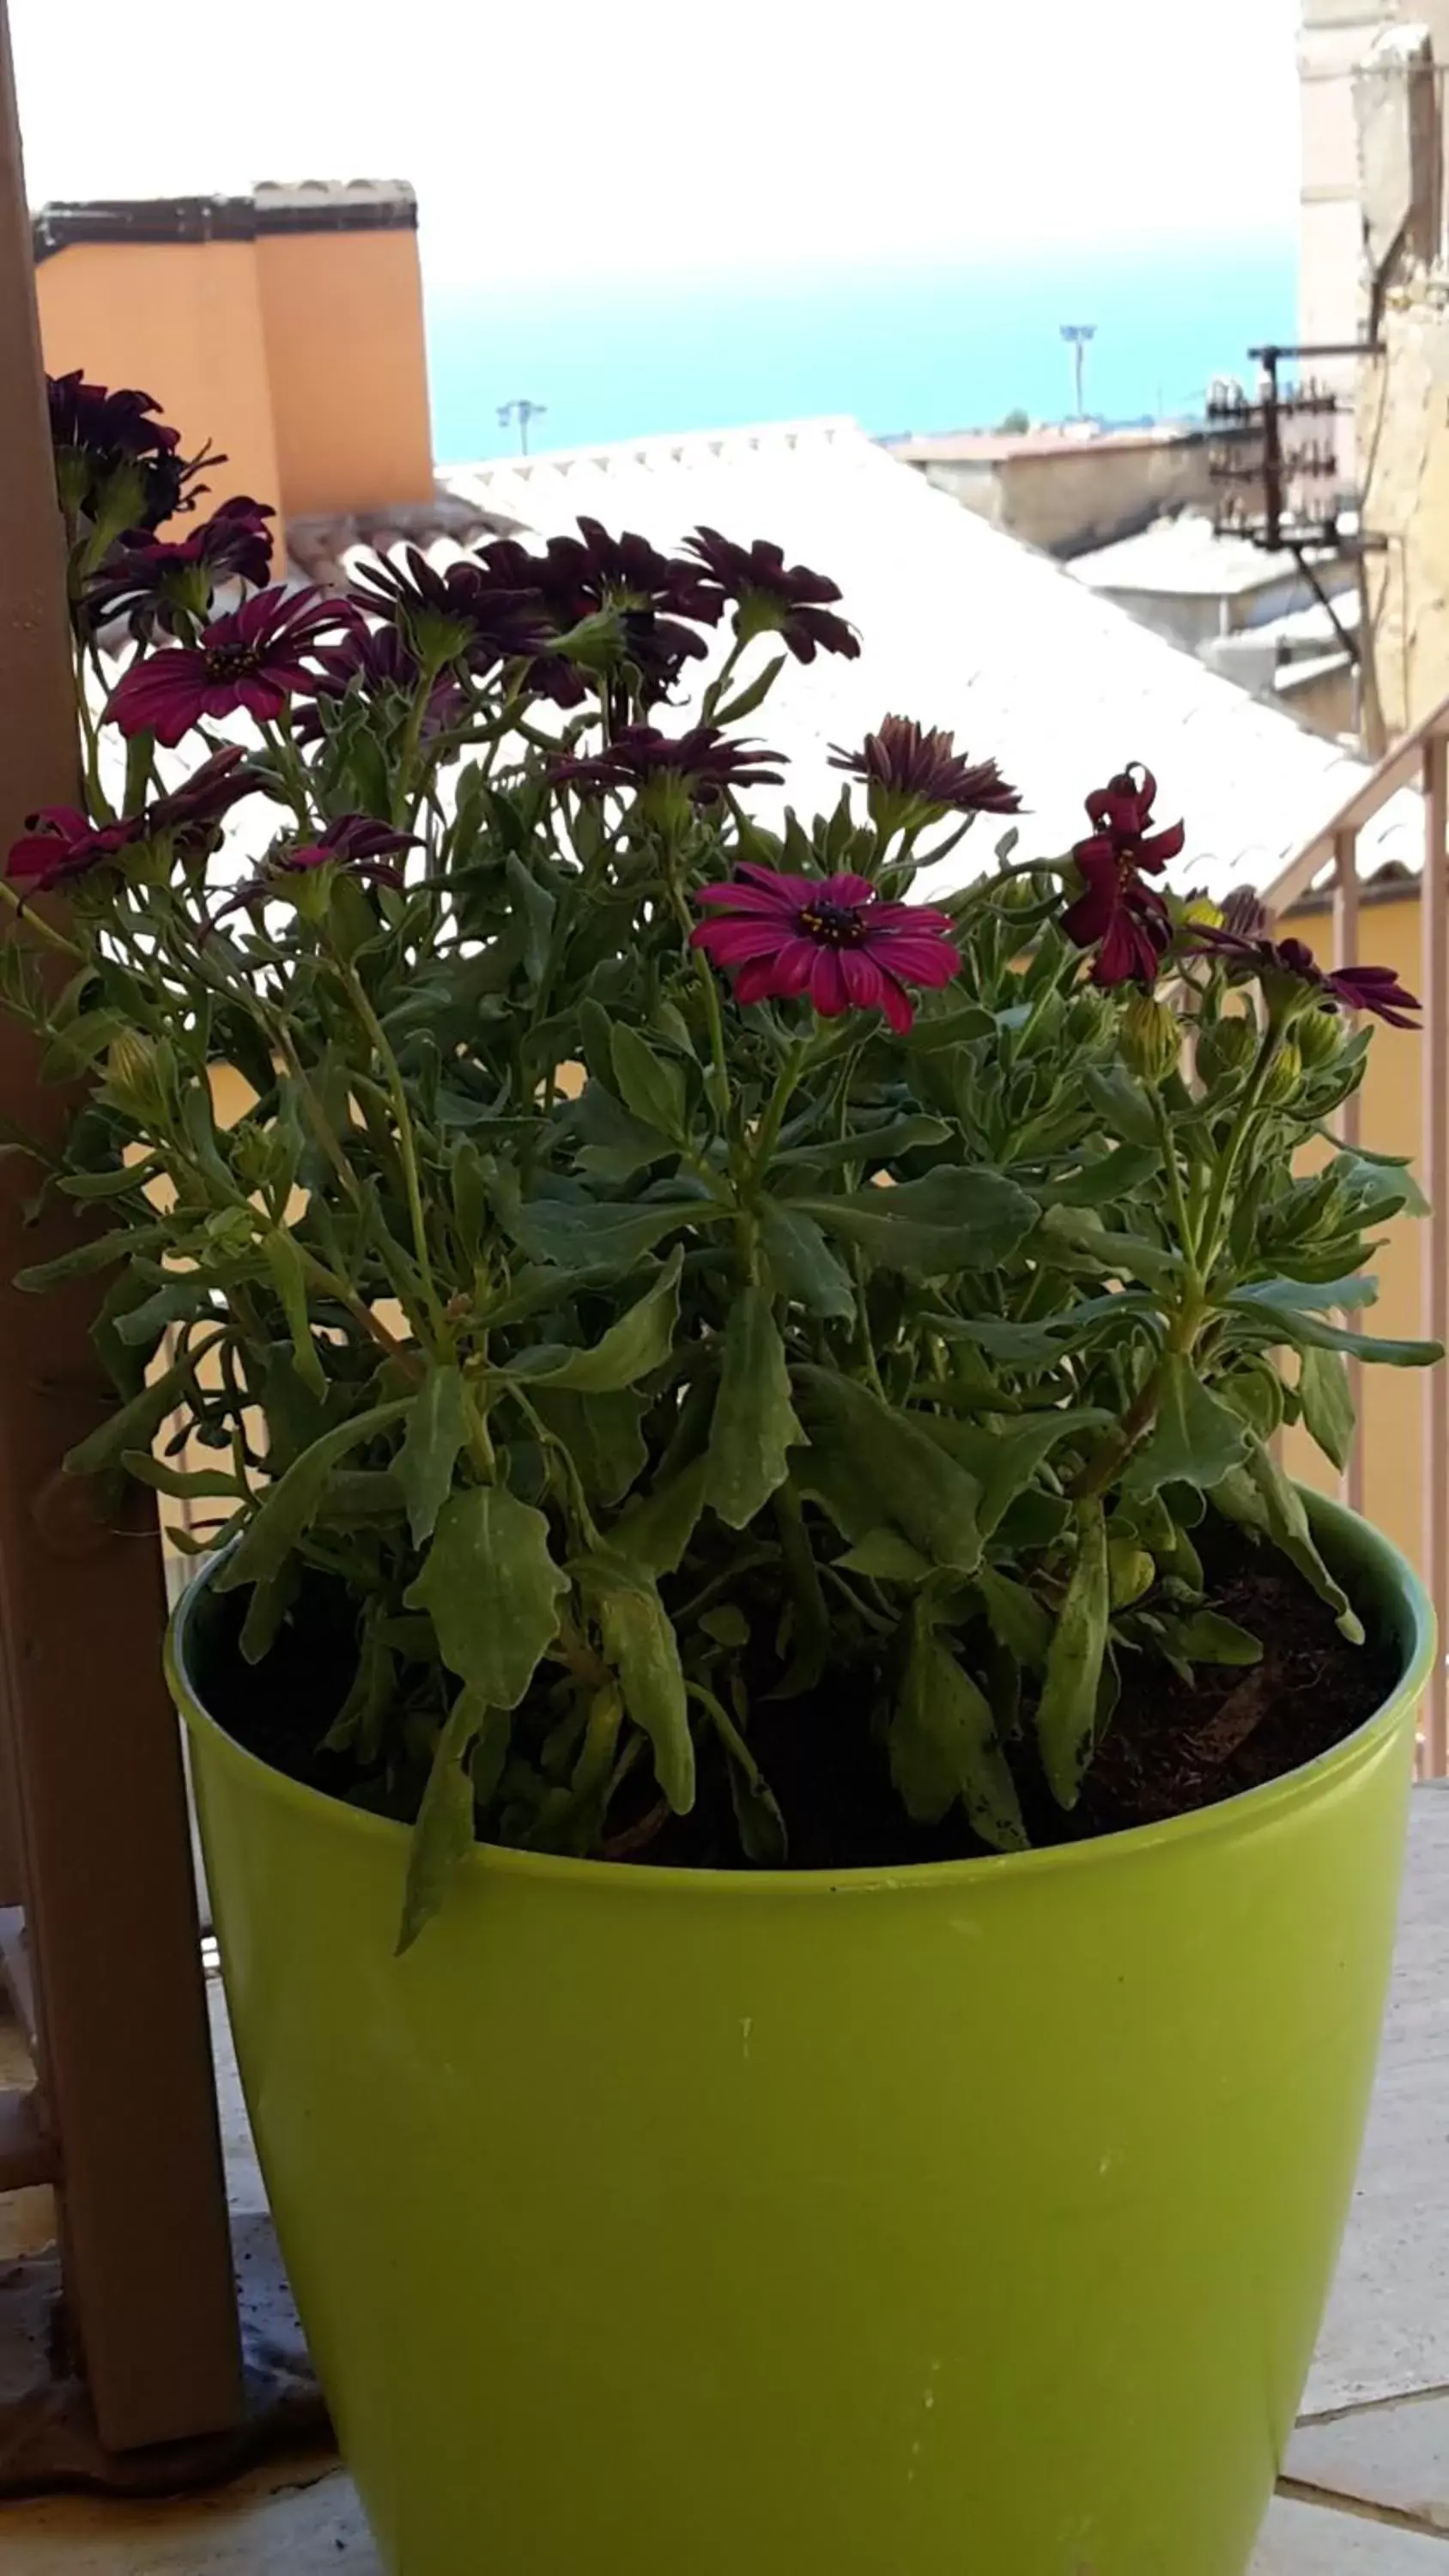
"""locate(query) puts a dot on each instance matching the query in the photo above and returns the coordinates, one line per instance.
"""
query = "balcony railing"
(1422, 758)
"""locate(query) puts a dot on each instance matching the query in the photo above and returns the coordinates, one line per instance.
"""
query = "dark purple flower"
(109, 447)
(58, 842)
(252, 660)
(376, 663)
(457, 615)
(902, 764)
(640, 596)
(1290, 962)
(147, 579)
(1245, 914)
(704, 762)
(831, 938)
(357, 841)
(1123, 919)
(774, 597)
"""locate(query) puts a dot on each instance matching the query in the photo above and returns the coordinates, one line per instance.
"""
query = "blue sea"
(902, 349)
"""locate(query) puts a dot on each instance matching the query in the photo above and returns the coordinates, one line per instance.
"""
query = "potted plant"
(803, 1823)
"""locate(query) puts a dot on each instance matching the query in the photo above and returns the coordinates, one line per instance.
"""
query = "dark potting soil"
(1171, 1746)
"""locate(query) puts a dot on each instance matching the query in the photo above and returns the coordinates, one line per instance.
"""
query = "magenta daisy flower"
(830, 938)
(251, 661)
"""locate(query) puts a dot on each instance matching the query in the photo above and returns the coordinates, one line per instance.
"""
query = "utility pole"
(1078, 337)
(523, 411)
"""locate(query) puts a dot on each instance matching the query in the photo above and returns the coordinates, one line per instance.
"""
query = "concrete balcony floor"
(1365, 2490)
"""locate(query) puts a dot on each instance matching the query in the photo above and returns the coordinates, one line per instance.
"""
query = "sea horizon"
(905, 349)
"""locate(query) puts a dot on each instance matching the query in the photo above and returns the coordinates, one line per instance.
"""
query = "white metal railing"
(1423, 757)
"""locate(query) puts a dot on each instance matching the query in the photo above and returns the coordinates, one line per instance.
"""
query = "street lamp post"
(1079, 336)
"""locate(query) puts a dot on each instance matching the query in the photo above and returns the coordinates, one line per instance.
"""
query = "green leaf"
(726, 1624)
(443, 1835)
(1301, 1297)
(655, 1531)
(752, 695)
(900, 1471)
(944, 1746)
(1254, 1391)
(1005, 1458)
(1016, 1618)
(134, 1425)
(878, 1144)
(437, 1429)
(886, 1557)
(1323, 1392)
(536, 909)
(639, 1642)
(200, 1485)
(649, 1086)
(1259, 1497)
(1126, 1256)
(95, 1252)
(289, 1278)
(1196, 1439)
(641, 1340)
(1208, 1638)
(1104, 1183)
(111, 1184)
(589, 1234)
(615, 1145)
(294, 1500)
(957, 1218)
(1122, 1104)
(1041, 1345)
(754, 1424)
(602, 1433)
(1309, 1332)
(1066, 1715)
(491, 1588)
(802, 1264)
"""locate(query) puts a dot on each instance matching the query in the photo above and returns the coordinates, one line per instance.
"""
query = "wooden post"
(1434, 904)
(104, 1848)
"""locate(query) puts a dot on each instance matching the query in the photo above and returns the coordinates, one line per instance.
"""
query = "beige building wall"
(1069, 495)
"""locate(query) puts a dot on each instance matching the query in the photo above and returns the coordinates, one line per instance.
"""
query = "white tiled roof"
(965, 627)
(1184, 557)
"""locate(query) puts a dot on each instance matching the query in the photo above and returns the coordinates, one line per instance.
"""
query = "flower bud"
(1151, 1039)
(1317, 1036)
(1089, 1016)
(1284, 1076)
(131, 1071)
(1225, 1047)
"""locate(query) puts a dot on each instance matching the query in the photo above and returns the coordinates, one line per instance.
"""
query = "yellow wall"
(343, 318)
(1392, 1122)
(299, 354)
(183, 320)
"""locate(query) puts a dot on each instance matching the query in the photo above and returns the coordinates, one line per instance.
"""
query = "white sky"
(624, 138)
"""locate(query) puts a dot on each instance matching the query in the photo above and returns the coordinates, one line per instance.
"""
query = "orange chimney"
(285, 327)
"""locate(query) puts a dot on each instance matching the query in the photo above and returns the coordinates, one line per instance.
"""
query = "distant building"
(1254, 617)
(1375, 270)
(1066, 489)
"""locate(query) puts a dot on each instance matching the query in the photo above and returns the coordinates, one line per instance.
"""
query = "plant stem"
(406, 1140)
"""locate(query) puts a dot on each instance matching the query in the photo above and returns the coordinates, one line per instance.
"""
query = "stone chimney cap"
(310, 206)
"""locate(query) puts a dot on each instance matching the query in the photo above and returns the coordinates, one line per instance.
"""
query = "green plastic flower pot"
(966, 2220)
